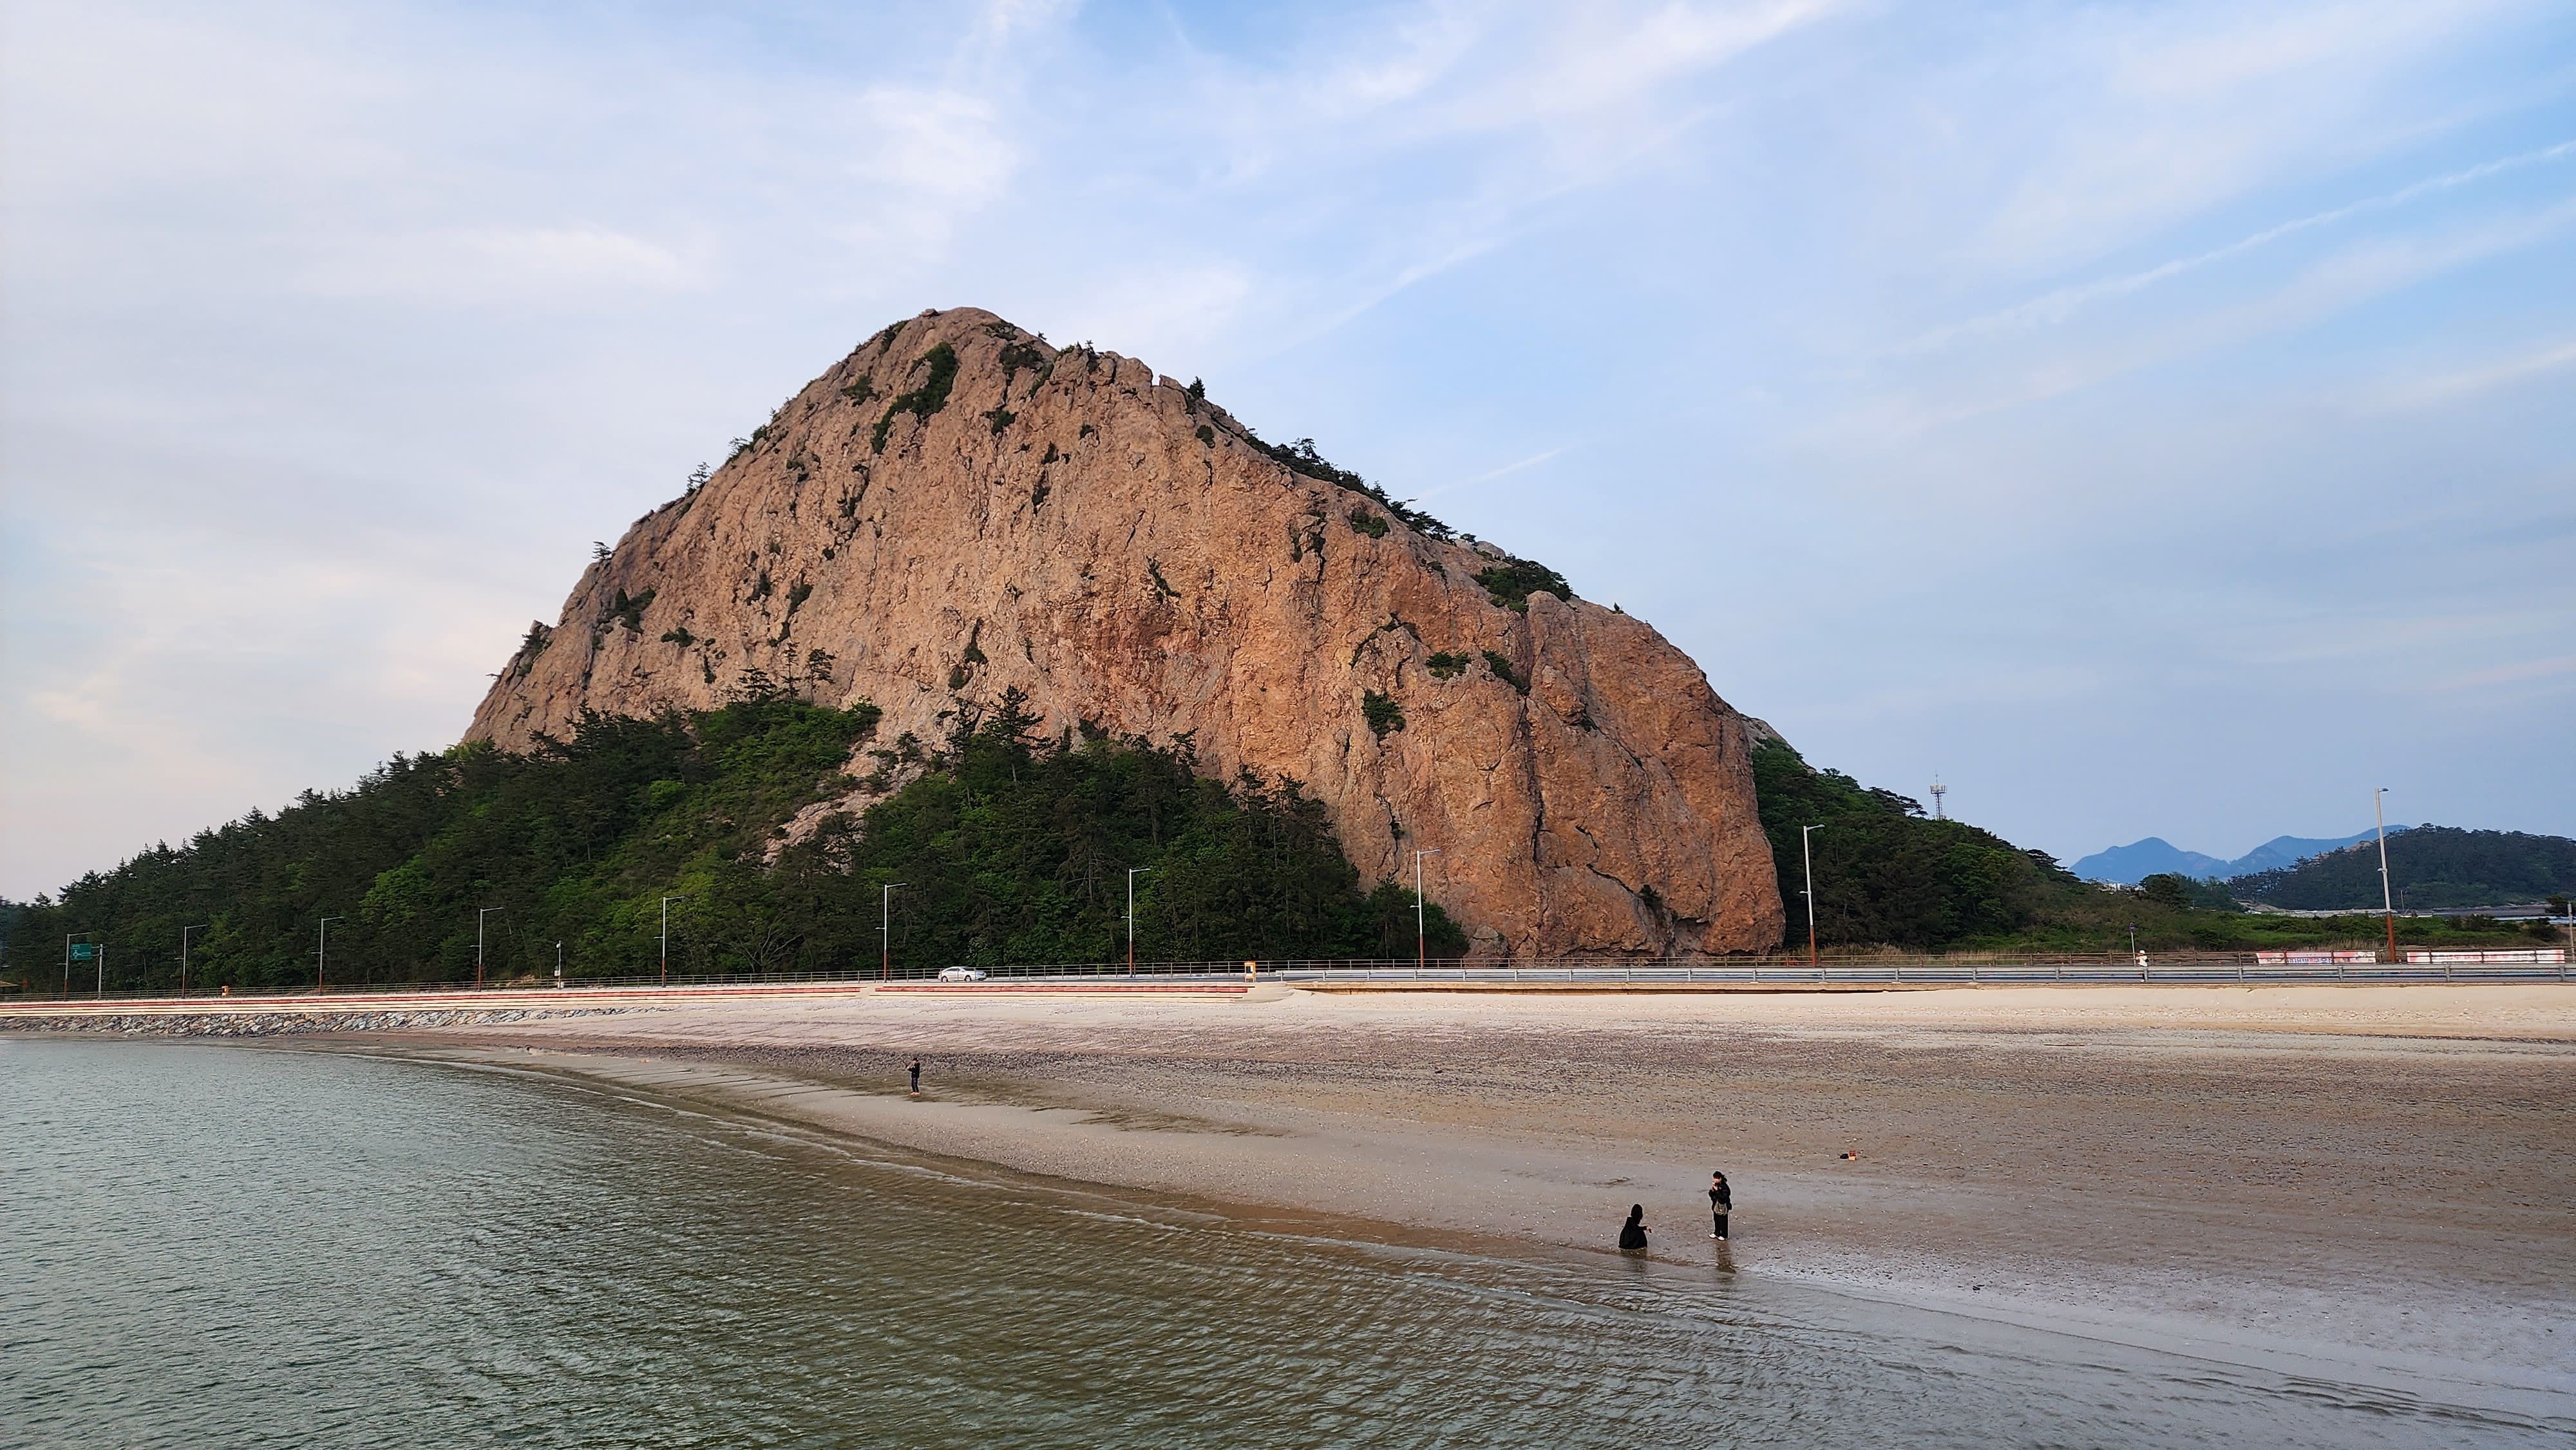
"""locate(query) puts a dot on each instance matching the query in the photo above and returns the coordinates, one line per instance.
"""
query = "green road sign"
(84, 951)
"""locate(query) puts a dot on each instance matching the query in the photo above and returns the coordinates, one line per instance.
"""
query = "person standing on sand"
(1721, 1202)
(916, 1077)
(1632, 1234)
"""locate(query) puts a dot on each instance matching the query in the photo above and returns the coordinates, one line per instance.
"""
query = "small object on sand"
(1851, 1157)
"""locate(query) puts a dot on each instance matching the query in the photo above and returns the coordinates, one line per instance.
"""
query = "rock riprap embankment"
(958, 513)
(273, 1023)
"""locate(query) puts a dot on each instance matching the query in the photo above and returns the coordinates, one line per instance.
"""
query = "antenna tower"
(1939, 790)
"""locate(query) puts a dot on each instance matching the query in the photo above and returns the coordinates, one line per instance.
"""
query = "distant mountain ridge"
(2130, 864)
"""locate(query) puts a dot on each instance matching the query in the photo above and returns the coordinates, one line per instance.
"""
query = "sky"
(2147, 418)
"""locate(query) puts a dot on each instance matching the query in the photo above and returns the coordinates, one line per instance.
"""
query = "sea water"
(223, 1245)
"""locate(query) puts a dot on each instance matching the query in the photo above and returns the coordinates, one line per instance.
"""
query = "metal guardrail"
(1938, 973)
(1892, 971)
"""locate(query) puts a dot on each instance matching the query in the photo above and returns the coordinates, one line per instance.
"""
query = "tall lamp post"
(885, 932)
(2387, 903)
(322, 950)
(1132, 873)
(666, 937)
(1421, 942)
(479, 914)
(183, 955)
(1807, 855)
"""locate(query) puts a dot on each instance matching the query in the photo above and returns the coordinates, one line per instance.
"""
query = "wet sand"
(2371, 1179)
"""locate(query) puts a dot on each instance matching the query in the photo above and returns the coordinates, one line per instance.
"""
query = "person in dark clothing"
(1632, 1234)
(1721, 1202)
(916, 1077)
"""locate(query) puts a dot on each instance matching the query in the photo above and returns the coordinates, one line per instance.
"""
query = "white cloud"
(517, 265)
(2063, 303)
(939, 145)
(1754, 290)
(2336, 283)
(2502, 372)
(2154, 115)
(1488, 476)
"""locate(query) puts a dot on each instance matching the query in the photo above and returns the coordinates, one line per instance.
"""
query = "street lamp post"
(1421, 942)
(666, 937)
(885, 932)
(183, 955)
(2387, 905)
(102, 969)
(322, 951)
(1132, 873)
(1807, 855)
(479, 914)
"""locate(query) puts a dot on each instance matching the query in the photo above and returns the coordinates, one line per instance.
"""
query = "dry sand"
(2372, 1176)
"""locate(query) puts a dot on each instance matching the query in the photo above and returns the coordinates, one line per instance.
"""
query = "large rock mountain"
(957, 510)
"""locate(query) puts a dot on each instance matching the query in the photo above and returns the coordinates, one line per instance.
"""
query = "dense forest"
(1885, 873)
(1888, 876)
(2431, 868)
(1010, 849)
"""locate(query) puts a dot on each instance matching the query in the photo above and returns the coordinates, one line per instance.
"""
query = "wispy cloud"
(1764, 290)
(2450, 386)
(512, 264)
(2332, 284)
(2063, 303)
(1507, 470)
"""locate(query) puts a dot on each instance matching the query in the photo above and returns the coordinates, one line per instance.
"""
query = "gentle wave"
(235, 1245)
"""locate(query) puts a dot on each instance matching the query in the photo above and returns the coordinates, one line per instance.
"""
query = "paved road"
(1767, 977)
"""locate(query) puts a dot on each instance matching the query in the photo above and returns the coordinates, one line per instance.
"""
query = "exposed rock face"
(928, 533)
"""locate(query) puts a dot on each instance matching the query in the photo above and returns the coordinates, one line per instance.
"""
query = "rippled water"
(222, 1245)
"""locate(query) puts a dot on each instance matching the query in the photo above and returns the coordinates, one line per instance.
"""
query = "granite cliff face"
(957, 510)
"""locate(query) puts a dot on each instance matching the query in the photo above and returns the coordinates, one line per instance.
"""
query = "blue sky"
(2155, 419)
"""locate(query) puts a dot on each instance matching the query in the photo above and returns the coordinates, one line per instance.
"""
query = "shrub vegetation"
(1513, 582)
(1382, 713)
(924, 400)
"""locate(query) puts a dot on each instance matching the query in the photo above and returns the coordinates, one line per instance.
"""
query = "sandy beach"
(2372, 1179)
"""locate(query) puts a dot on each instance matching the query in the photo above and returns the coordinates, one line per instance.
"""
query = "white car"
(961, 974)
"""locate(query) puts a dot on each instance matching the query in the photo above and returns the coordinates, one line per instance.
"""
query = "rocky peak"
(958, 510)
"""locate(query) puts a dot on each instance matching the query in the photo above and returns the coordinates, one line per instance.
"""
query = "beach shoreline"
(2374, 1177)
